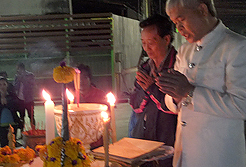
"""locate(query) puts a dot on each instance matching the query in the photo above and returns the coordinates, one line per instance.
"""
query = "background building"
(41, 33)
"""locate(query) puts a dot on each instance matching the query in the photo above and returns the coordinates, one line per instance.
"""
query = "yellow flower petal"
(63, 74)
(72, 148)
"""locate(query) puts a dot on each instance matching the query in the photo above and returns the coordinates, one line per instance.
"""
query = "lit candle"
(70, 96)
(106, 121)
(111, 100)
(49, 117)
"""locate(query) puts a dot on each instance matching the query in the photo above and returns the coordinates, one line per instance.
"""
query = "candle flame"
(69, 95)
(104, 116)
(104, 108)
(46, 95)
(111, 98)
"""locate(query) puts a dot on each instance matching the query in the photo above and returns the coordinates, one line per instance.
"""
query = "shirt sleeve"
(158, 98)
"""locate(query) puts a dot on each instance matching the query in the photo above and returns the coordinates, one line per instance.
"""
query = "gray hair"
(191, 4)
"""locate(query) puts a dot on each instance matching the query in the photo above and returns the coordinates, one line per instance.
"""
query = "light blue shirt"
(6, 116)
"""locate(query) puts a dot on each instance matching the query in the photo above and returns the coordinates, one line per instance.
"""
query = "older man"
(208, 88)
(154, 120)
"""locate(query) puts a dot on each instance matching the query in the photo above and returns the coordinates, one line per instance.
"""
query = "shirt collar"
(215, 32)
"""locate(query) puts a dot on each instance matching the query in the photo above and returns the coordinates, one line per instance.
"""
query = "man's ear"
(203, 9)
(167, 38)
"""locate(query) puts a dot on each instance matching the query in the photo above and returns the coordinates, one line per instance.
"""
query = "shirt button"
(184, 103)
(183, 123)
(191, 65)
(198, 48)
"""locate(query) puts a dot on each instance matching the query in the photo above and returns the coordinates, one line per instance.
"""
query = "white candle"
(106, 121)
(111, 100)
(49, 118)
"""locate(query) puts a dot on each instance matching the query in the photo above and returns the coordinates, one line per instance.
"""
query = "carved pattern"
(84, 125)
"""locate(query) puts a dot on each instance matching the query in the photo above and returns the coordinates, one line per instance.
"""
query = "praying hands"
(174, 84)
(144, 80)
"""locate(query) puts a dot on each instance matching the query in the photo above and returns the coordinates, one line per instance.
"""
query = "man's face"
(189, 22)
(152, 43)
(3, 86)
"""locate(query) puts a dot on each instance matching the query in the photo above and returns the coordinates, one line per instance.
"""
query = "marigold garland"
(74, 150)
(19, 156)
(63, 73)
(75, 155)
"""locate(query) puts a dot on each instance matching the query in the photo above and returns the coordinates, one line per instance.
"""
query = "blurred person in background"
(10, 85)
(8, 111)
(89, 93)
(24, 84)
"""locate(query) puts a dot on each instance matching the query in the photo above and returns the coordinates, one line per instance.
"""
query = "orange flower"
(13, 158)
(63, 74)
(26, 155)
(5, 150)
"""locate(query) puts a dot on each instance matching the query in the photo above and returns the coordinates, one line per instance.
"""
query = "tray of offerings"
(33, 137)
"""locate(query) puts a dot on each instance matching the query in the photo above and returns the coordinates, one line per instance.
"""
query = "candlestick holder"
(106, 123)
(106, 144)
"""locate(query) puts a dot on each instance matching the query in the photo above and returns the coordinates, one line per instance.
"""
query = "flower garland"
(19, 156)
(74, 151)
(63, 73)
(68, 152)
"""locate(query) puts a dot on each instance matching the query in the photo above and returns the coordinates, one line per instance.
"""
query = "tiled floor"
(122, 115)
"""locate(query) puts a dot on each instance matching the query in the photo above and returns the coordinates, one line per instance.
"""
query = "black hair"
(4, 74)
(21, 65)
(85, 68)
(163, 24)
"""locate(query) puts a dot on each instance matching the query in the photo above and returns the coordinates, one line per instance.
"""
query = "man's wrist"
(190, 93)
(189, 96)
(176, 100)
